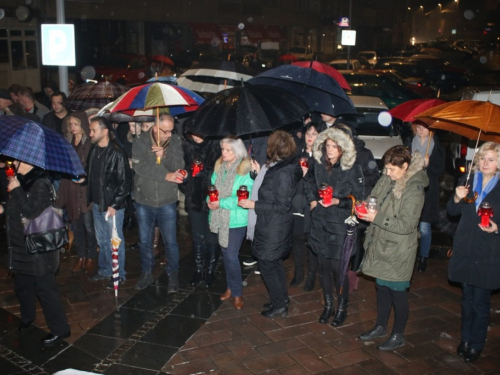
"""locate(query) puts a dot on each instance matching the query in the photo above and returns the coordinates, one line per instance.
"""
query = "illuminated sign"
(348, 37)
(344, 22)
(58, 45)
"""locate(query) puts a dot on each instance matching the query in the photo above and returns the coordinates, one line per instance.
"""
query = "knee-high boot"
(198, 262)
(213, 250)
(328, 311)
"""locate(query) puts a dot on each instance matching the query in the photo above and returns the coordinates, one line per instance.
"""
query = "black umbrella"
(351, 224)
(246, 110)
(320, 92)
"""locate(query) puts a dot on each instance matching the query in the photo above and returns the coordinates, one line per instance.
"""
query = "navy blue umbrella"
(320, 92)
(35, 144)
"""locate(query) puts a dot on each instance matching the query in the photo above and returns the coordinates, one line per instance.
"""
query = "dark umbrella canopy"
(246, 110)
(38, 145)
(320, 92)
(94, 95)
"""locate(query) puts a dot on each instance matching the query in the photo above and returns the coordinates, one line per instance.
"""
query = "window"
(31, 55)
(17, 55)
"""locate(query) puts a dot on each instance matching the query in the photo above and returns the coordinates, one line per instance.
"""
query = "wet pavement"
(193, 332)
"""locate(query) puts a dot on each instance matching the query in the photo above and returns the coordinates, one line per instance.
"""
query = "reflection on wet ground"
(150, 332)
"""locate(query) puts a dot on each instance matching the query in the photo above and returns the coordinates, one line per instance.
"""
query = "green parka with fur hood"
(391, 240)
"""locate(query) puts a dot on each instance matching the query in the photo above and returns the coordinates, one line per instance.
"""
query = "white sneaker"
(249, 262)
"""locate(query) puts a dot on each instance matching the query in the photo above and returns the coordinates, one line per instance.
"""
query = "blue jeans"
(476, 304)
(166, 217)
(103, 231)
(232, 262)
(425, 238)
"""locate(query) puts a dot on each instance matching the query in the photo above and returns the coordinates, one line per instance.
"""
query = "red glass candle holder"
(196, 167)
(213, 194)
(304, 162)
(184, 174)
(242, 193)
(10, 170)
(485, 211)
(360, 207)
(326, 193)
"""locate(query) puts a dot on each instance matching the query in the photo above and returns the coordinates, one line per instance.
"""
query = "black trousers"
(273, 273)
(84, 231)
(29, 288)
(330, 272)
(476, 304)
(386, 299)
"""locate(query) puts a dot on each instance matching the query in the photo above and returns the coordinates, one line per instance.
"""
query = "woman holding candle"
(200, 156)
(226, 218)
(270, 223)
(73, 196)
(391, 240)
(475, 262)
(432, 151)
(302, 217)
(334, 167)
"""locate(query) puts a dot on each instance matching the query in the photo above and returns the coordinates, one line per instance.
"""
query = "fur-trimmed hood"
(416, 165)
(244, 167)
(343, 140)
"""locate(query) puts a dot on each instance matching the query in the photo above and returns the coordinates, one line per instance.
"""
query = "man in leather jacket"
(109, 182)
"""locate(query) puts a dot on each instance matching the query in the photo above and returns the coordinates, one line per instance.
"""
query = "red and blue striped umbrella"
(155, 95)
(35, 144)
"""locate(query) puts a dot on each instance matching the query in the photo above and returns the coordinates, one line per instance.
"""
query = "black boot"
(213, 257)
(422, 264)
(198, 262)
(328, 311)
(341, 314)
(312, 263)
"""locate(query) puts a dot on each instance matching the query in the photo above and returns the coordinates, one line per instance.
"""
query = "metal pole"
(63, 70)
(350, 28)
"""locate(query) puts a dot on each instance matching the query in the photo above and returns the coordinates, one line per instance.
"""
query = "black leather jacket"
(116, 178)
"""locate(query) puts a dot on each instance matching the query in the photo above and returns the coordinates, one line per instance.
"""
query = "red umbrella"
(163, 59)
(408, 110)
(325, 69)
(287, 57)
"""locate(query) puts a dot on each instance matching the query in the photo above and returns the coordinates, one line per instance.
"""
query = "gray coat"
(391, 240)
(150, 186)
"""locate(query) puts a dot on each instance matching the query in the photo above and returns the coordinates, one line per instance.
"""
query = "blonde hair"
(68, 126)
(485, 147)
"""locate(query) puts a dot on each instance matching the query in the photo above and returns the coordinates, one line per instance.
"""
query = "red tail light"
(463, 148)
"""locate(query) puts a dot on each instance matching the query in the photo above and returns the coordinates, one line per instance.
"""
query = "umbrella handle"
(114, 222)
(353, 203)
(431, 134)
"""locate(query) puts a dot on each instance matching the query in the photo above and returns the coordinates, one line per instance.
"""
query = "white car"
(378, 138)
(302, 52)
(342, 64)
(371, 56)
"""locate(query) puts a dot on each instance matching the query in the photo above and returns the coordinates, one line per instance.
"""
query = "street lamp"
(440, 8)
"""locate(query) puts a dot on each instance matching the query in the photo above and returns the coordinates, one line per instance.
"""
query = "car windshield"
(366, 123)
(340, 65)
(368, 55)
(297, 50)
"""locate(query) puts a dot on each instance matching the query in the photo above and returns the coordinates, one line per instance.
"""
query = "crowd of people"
(294, 198)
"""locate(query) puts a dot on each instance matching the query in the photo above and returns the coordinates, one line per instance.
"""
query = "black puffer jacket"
(365, 159)
(273, 230)
(20, 204)
(195, 188)
(116, 178)
(328, 230)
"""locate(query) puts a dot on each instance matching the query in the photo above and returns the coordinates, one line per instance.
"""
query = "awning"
(256, 34)
(206, 33)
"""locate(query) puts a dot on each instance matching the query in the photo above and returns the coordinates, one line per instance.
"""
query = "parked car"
(126, 69)
(371, 56)
(384, 85)
(342, 64)
(302, 52)
(377, 138)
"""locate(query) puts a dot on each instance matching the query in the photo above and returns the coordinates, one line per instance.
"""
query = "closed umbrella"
(115, 243)
(350, 223)
(35, 144)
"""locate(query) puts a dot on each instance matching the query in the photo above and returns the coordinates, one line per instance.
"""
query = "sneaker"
(145, 280)
(111, 284)
(249, 262)
(173, 282)
(98, 277)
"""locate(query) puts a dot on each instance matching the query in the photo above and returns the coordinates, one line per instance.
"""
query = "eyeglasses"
(166, 132)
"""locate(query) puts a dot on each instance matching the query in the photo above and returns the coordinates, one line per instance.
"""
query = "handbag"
(47, 231)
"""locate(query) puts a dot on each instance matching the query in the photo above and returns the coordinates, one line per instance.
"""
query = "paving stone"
(274, 362)
(347, 358)
(310, 360)
(283, 346)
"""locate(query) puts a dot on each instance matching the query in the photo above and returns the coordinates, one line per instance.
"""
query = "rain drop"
(241, 26)
(192, 315)
(469, 14)
(372, 164)
(83, 17)
(316, 104)
(384, 118)
(443, 78)
(244, 283)
(215, 42)
(112, 14)
(141, 75)
(250, 19)
(483, 59)
(87, 72)
(217, 101)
